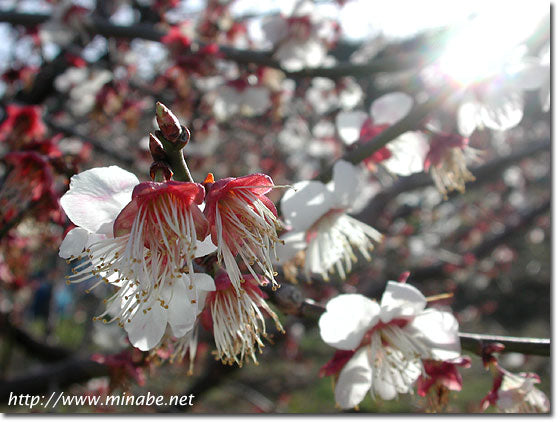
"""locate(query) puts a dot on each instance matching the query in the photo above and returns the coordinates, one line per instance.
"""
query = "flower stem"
(176, 160)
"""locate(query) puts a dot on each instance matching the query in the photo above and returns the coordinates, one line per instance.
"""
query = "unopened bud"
(404, 276)
(156, 149)
(168, 123)
(160, 171)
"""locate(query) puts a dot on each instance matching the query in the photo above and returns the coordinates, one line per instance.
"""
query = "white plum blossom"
(516, 393)
(498, 102)
(326, 95)
(402, 156)
(82, 85)
(141, 239)
(301, 40)
(246, 99)
(316, 214)
(386, 341)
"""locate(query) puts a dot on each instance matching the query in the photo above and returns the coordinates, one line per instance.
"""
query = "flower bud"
(168, 123)
(156, 149)
(160, 171)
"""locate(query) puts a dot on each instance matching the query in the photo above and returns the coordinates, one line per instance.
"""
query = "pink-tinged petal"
(349, 125)
(123, 222)
(346, 183)
(146, 329)
(354, 381)
(200, 222)
(390, 108)
(269, 204)
(257, 183)
(335, 365)
(424, 384)
(346, 320)
(189, 193)
(74, 243)
(401, 300)
(305, 204)
(97, 196)
(439, 331)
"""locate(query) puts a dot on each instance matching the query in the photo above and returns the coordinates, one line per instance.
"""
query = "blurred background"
(260, 85)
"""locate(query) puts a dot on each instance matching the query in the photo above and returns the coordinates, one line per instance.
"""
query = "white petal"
(401, 300)
(468, 117)
(181, 314)
(227, 102)
(439, 331)
(390, 108)
(146, 329)
(346, 183)
(383, 384)
(74, 243)
(349, 125)
(502, 110)
(293, 243)
(532, 75)
(202, 281)
(407, 154)
(354, 380)
(205, 247)
(347, 319)
(257, 99)
(305, 204)
(97, 196)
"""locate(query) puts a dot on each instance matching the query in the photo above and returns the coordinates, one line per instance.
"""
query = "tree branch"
(411, 122)
(307, 308)
(53, 377)
(379, 202)
(98, 26)
(32, 346)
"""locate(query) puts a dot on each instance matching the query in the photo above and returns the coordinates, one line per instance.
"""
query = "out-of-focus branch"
(32, 346)
(482, 174)
(411, 122)
(97, 26)
(53, 377)
(526, 345)
(95, 143)
(489, 244)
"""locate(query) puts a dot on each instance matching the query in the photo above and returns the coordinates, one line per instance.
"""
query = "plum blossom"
(497, 102)
(238, 96)
(141, 238)
(82, 86)
(516, 393)
(388, 341)
(316, 214)
(301, 40)
(244, 222)
(447, 162)
(29, 179)
(402, 156)
(442, 373)
(22, 124)
(237, 320)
